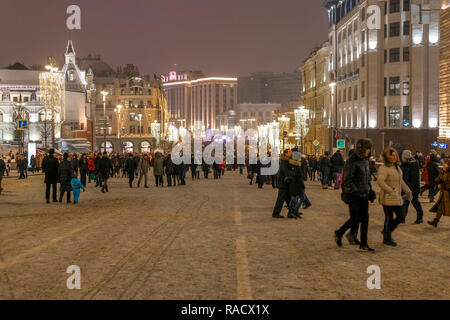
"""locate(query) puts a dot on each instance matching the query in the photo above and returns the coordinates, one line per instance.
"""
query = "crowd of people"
(398, 177)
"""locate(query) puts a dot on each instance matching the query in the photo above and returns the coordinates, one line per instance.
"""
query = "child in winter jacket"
(76, 188)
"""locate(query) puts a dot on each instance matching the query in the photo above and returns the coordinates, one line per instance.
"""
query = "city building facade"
(317, 100)
(58, 105)
(192, 97)
(444, 106)
(384, 62)
(268, 87)
(131, 111)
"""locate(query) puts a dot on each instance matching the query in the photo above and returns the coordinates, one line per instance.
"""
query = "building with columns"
(384, 62)
(444, 106)
(317, 99)
(192, 97)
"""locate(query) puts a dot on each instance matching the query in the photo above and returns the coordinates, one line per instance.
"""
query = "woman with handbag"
(391, 183)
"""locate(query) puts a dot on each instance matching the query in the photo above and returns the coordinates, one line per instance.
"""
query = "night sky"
(219, 37)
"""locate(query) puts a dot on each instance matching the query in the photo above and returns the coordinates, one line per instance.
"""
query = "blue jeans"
(416, 204)
(305, 200)
(324, 179)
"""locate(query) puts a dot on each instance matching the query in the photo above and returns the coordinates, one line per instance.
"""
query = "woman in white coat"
(390, 181)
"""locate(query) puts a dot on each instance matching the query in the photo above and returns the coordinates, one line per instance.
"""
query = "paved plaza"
(211, 239)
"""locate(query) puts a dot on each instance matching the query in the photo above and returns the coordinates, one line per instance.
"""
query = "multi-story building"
(251, 115)
(444, 106)
(267, 87)
(384, 62)
(57, 105)
(135, 110)
(317, 100)
(192, 98)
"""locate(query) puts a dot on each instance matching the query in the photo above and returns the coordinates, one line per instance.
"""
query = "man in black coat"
(433, 173)
(84, 168)
(106, 170)
(357, 192)
(130, 169)
(75, 164)
(98, 177)
(411, 176)
(325, 169)
(337, 165)
(65, 173)
(2, 172)
(50, 167)
(283, 187)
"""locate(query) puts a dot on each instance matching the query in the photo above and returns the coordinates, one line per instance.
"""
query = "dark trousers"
(49, 185)
(105, 184)
(22, 174)
(63, 190)
(416, 204)
(131, 178)
(389, 222)
(241, 169)
(283, 196)
(83, 175)
(433, 191)
(359, 214)
(159, 181)
(170, 178)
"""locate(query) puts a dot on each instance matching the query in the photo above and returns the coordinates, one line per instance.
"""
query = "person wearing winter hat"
(357, 192)
(411, 176)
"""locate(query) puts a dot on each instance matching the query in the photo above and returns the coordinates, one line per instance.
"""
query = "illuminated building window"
(355, 92)
(394, 86)
(406, 116)
(406, 86)
(394, 117)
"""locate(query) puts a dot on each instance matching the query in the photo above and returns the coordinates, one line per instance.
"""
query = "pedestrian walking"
(283, 185)
(391, 183)
(158, 169)
(442, 206)
(433, 173)
(325, 169)
(50, 167)
(2, 172)
(77, 186)
(337, 165)
(106, 170)
(170, 171)
(411, 176)
(143, 168)
(357, 192)
(84, 169)
(130, 169)
(65, 172)
(296, 186)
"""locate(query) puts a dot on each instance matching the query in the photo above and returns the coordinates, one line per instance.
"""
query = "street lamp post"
(140, 124)
(334, 113)
(117, 110)
(104, 93)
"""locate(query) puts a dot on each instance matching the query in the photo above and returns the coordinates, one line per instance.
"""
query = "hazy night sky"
(232, 37)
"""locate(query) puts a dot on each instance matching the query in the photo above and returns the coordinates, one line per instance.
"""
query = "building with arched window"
(55, 103)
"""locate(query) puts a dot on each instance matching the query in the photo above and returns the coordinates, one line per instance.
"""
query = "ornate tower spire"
(70, 53)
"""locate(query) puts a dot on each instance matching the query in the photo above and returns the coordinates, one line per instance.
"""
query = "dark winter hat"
(105, 153)
(65, 155)
(51, 151)
(362, 145)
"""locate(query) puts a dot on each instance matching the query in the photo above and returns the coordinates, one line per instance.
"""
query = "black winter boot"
(434, 223)
(387, 239)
